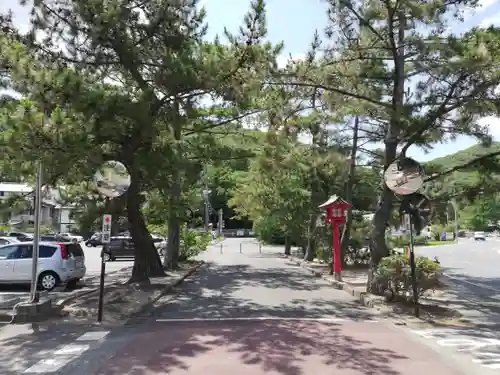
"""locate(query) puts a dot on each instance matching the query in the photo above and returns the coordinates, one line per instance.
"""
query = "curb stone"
(365, 298)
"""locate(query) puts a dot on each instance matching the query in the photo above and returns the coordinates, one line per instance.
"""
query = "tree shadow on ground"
(244, 291)
(279, 347)
(462, 295)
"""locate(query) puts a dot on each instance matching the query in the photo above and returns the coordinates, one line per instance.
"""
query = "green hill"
(464, 156)
(464, 178)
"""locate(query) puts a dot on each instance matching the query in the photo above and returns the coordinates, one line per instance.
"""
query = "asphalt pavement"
(247, 312)
(472, 271)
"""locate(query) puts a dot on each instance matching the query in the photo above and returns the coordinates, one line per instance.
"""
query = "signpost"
(112, 180)
(106, 228)
(405, 177)
(335, 215)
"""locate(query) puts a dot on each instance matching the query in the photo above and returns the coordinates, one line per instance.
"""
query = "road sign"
(106, 228)
(404, 176)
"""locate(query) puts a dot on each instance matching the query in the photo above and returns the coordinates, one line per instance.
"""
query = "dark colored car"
(95, 240)
(49, 238)
(21, 236)
(119, 247)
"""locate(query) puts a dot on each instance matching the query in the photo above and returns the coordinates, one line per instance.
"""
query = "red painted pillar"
(337, 262)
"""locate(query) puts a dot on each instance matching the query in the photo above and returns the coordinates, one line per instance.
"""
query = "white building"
(53, 214)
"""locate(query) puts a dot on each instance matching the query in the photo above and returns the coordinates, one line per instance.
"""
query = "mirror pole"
(100, 306)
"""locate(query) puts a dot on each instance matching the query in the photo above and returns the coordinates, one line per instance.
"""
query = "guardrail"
(241, 246)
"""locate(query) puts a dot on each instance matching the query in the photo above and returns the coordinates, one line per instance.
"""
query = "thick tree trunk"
(173, 245)
(147, 262)
(311, 239)
(174, 228)
(288, 245)
(346, 233)
(174, 223)
(378, 247)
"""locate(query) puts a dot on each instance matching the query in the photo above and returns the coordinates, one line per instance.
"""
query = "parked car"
(50, 238)
(479, 236)
(70, 237)
(123, 247)
(119, 247)
(94, 240)
(8, 240)
(59, 263)
(21, 236)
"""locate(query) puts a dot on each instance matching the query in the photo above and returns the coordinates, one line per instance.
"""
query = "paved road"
(472, 270)
(93, 262)
(248, 313)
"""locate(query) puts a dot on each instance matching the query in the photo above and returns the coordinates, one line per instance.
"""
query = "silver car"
(58, 263)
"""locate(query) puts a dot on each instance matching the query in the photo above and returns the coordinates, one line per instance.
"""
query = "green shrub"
(267, 230)
(193, 243)
(158, 229)
(4, 229)
(394, 272)
(402, 241)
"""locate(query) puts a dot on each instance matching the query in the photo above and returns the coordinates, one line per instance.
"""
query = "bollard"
(260, 248)
(241, 247)
(221, 247)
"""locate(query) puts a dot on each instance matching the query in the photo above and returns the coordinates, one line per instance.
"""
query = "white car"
(70, 237)
(479, 236)
(58, 263)
(5, 240)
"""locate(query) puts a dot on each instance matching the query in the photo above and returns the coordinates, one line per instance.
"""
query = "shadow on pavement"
(31, 343)
(469, 299)
(242, 291)
(281, 347)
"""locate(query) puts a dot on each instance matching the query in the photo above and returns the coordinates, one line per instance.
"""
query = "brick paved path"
(274, 347)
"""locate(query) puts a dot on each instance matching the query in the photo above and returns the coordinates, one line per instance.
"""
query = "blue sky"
(295, 21)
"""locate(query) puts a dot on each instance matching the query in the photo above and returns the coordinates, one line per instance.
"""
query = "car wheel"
(107, 257)
(48, 280)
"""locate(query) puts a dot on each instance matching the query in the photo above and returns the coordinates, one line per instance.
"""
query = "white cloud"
(486, 3)
(493, 124)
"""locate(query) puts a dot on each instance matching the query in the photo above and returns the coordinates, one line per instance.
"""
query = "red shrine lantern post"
(335, 215)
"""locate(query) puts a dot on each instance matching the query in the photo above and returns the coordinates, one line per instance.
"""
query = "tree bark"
(378, 247)
(147, 262)
(174, 223)
(344, 243)
(174, 228)
(311, 239)
(288, 245)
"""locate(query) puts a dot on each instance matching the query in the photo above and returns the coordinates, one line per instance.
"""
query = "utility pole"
(221, 222)
(205, 199)
(206, 193)
(36, 239)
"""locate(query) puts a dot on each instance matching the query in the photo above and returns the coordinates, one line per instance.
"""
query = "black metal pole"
(413, 272)
(101, 285)
(100, 305)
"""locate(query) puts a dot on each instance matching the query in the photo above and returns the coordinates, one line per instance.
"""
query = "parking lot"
(91, 280)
